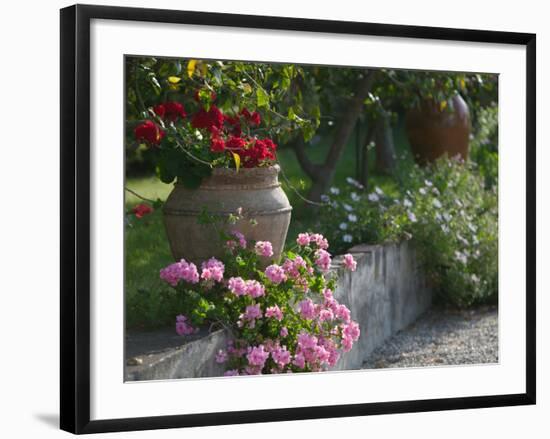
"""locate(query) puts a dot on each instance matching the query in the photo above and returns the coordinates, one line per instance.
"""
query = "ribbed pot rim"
(261, 176)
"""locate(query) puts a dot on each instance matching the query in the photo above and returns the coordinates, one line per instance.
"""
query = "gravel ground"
(442, 337)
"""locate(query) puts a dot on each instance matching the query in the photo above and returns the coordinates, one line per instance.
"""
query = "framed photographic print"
(339, 213)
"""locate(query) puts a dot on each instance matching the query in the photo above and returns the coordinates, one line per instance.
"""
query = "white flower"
(334, 191)
(373, 197)
(354, 196)
(378, 191)
(445, 229)
(435, 191)
(198, 135)
(347, 238)
(407, 202)
(411, 216)
(428, 183)
(354, 182)
(347, 207)
(437, 204)
(458, 202)
(422, 191)
(472, 227)
(447, 216)
(325, 198)
(462, 240)
(461, 257)
(475, 279)
(343, 226)
(352, 218)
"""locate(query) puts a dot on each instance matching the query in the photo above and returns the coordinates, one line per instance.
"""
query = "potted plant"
(211, 128)
(219, 165)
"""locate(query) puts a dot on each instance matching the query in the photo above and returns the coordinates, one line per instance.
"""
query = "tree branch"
(311, 169)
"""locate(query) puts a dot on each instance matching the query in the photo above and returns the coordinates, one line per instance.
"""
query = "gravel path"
(442, 337)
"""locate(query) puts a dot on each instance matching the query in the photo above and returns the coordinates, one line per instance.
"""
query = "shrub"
(281, 318)
(448, 212)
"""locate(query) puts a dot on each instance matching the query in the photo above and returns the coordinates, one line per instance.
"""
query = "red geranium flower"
(170, 110)
(253, 119)
(217, 144)
(235, 143)
(160, 110)
(149, 132)
(141, 210)
(211, 119)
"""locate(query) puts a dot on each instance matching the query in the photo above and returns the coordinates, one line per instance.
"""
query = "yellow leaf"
(463, 84)
(237, 159)
(174, 79)
(191, 67)
(204, 68)
(443, 105)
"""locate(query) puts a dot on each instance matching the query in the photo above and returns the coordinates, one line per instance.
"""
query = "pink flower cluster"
(240, 240)
(312, 238)
(349, 262)
(275, 274)
(264, 248)
(315, 352)
(183, 327)
(240, 287)
(274, 312)
(285, 319)
(294, 267)
(249, 317)
(212, 269)
(323, 260)
(181, 270)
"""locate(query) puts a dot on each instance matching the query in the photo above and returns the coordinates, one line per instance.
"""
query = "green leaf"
(262, 98)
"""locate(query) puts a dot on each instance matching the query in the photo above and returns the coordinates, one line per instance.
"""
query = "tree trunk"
(325, 172)
(385, 149)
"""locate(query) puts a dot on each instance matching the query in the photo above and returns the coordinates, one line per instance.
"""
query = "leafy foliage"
(445, 209)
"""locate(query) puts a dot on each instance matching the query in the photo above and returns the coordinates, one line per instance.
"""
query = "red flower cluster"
(226, 133)
(149, 132)
(141, 210)
(212, 120)
(258, 151)
(170, 111)
(254, 119)
(252, 151)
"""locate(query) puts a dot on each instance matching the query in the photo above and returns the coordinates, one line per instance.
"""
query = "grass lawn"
(149, 303)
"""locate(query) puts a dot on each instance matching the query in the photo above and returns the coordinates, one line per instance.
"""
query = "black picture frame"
(75, 217)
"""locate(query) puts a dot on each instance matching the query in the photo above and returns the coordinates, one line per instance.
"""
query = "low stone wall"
(386, 293)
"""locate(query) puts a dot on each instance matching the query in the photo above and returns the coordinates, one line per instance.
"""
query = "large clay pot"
(256, 190)
(433, 132)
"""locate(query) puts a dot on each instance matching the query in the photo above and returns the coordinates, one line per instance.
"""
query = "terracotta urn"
(434, 132)
(256, 191)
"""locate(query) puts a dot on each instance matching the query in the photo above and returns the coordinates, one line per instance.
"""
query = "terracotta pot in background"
(433, 132)
(256, 190)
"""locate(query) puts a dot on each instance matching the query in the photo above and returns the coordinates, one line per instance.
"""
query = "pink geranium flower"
(264, 248)
(275, 274)
(274, 312)
(349, 262)
(257, 356)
